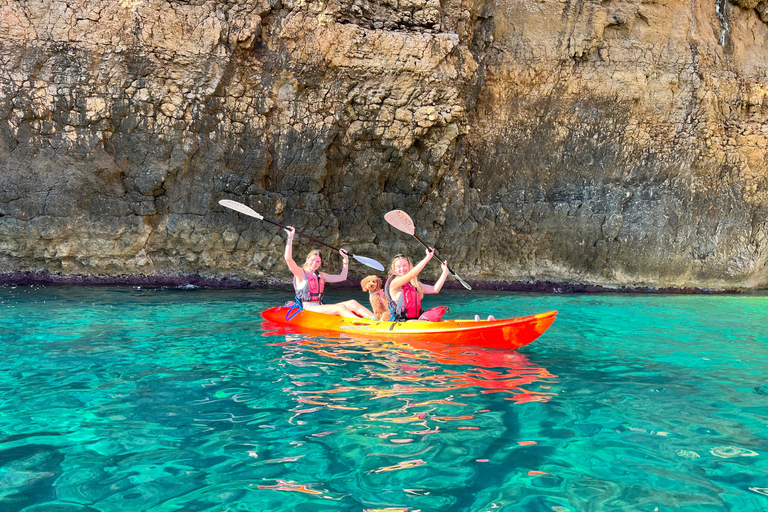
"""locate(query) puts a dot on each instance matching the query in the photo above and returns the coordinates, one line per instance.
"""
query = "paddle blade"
(463, 282)
(400, 220)
(240, 207)
(370, 262)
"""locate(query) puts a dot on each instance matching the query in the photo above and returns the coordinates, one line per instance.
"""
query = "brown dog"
(372, 284)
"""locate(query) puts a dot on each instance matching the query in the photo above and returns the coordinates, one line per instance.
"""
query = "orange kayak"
(510, 333)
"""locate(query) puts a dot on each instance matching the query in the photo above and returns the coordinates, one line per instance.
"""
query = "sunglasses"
(398, 256)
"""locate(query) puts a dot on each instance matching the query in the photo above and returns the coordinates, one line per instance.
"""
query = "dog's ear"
(363, 283)
(378, 281)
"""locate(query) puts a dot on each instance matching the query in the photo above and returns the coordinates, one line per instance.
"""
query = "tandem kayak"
(510, 333)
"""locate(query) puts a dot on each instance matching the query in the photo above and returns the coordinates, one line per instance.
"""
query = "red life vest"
(408, 306)
(312, 288)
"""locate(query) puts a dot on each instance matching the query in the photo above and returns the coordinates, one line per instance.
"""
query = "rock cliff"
(614, 144)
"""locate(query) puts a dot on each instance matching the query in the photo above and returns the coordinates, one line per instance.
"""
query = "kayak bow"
(510, 333)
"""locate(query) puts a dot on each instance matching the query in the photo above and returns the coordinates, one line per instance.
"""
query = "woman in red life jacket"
(403, 289)
(309, 283)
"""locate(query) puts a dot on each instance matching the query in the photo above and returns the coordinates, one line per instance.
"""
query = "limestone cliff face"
(600, 143)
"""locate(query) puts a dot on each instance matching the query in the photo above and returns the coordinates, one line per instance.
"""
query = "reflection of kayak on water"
(510, 333)
(415, 367)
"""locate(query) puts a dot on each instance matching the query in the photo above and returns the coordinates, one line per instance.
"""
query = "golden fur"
(372, 284)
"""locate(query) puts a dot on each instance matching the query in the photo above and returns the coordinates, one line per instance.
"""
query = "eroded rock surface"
(591, 143)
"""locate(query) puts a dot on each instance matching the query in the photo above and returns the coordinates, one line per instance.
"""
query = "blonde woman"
(309, 283)
(403, 289)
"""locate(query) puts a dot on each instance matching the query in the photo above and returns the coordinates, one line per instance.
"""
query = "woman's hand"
(440, 281)
(344, 256)
(342, 276)
(430, 253)
(291, 232)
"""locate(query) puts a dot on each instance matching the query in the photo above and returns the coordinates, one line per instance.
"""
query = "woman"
(309, 283)
(403, 289)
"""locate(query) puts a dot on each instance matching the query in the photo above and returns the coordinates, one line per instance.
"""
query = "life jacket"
(312, 288)
(408, 306)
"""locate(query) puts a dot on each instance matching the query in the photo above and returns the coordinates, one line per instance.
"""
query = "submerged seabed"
(119, 399)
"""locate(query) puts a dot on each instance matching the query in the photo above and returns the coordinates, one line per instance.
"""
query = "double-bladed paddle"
(245, 210)
(402, 221)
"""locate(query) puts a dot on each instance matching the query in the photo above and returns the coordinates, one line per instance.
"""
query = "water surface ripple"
(153, 399)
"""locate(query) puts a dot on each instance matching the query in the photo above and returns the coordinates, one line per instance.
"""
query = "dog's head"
(371, 284)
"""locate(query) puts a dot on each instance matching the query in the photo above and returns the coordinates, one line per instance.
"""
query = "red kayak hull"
(510, 333)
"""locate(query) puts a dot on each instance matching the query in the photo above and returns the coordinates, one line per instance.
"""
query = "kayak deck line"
(507, 333)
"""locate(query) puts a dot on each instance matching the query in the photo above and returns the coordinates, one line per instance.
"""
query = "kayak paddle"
(245, 210)
(402, 221)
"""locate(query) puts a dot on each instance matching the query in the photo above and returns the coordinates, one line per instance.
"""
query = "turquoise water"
(115, 399)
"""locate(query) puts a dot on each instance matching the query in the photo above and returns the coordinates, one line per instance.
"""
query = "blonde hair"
(415, 281)
(315, 252)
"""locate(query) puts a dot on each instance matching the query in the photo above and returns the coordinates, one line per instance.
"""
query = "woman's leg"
(357, 308)
(333, 309)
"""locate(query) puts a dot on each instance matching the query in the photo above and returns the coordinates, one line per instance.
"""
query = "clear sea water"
(151, 399)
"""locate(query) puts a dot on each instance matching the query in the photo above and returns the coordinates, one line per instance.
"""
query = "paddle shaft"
(428, 247)
(247, 210)
(317, 241)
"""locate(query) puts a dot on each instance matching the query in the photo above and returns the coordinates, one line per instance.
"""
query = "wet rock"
(594, 145)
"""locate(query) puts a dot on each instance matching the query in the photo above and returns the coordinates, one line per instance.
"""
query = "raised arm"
(337, 278)
(295, 269)
(435, 288)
